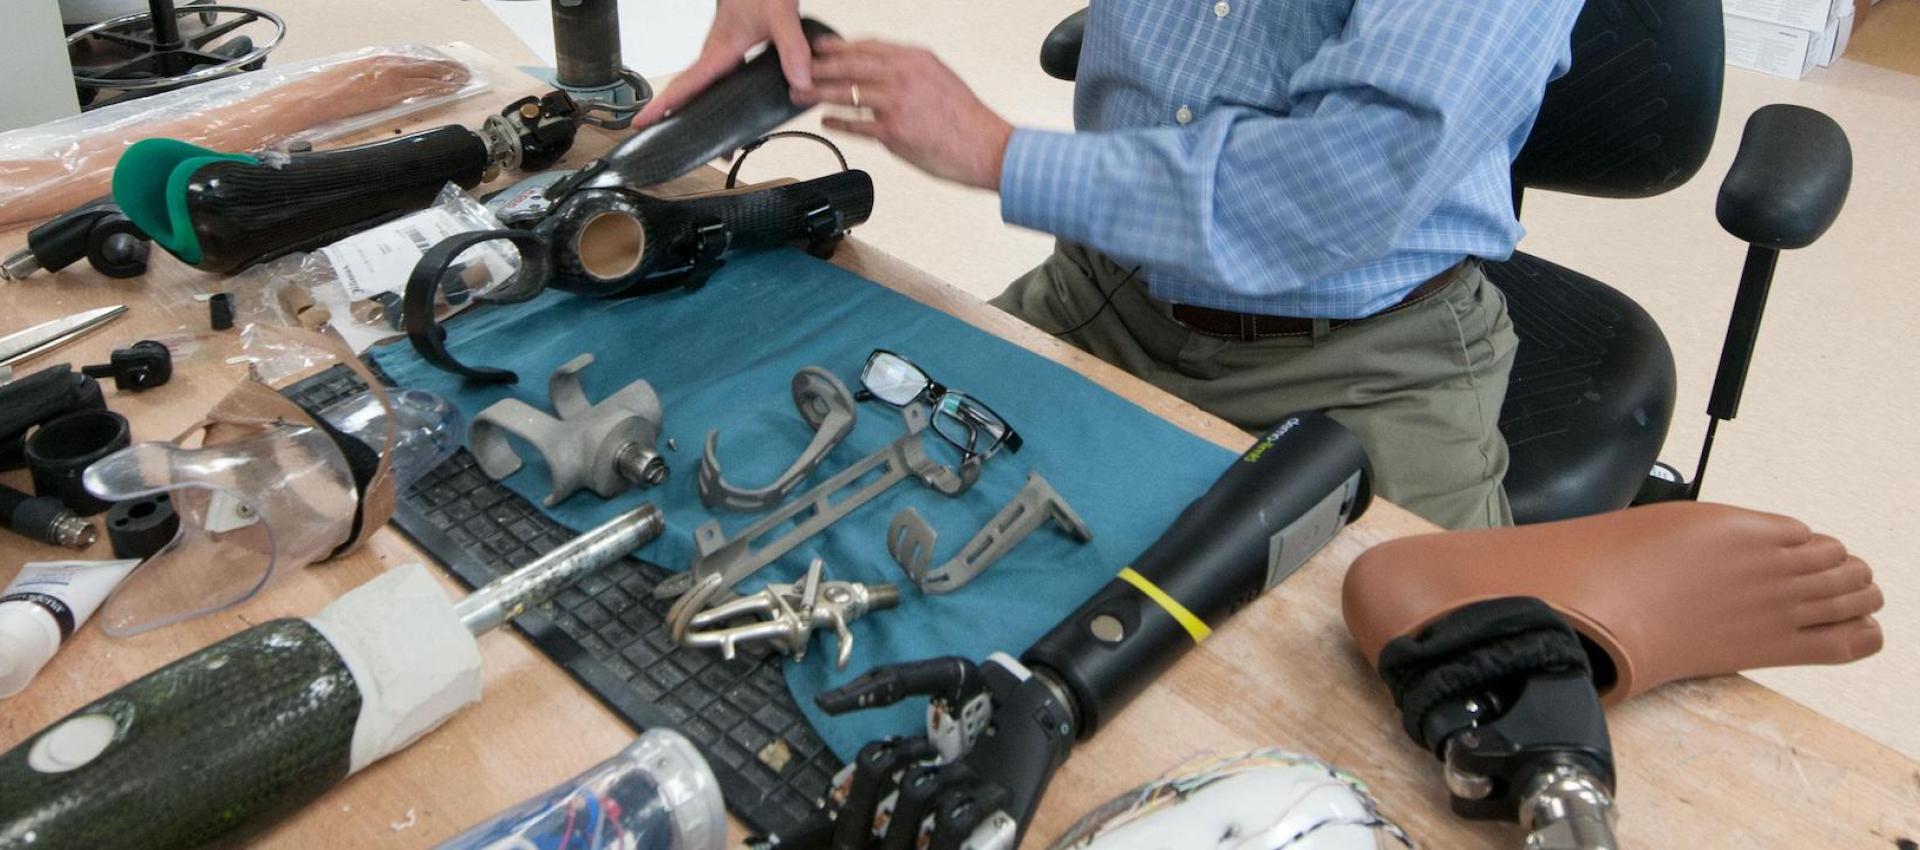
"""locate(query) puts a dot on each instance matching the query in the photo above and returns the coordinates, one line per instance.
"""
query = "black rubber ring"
(60, 450)
(140, 527)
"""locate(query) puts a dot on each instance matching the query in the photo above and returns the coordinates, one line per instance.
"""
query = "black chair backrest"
(1635, 115)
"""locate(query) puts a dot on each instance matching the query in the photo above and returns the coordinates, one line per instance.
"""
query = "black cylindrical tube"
(586, 43)
(1273, 509)
(59, 451)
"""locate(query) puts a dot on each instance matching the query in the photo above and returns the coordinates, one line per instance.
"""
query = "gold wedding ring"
(853, 93)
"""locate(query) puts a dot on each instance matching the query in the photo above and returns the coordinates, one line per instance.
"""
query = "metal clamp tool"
(785, 615)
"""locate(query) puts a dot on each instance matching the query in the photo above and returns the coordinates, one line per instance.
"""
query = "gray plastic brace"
(605, 447)
(811, 512)
(910, 539)
(828, 408)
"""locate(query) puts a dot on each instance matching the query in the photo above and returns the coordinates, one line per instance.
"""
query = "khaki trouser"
(1420, 385)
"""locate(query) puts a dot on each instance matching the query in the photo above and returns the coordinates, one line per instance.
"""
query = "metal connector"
(1567, 808)
(19, 264)
(74, 532)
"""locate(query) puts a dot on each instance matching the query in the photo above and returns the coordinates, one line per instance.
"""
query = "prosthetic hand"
(955, 786)
(996, 732)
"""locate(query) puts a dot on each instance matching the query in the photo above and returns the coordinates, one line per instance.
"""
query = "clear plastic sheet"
(355, 284)
(51, 168)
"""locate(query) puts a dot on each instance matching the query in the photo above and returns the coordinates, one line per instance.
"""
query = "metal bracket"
(605, 447)
(785, 615)
(910, 539)
(811, 512)
(828, 408)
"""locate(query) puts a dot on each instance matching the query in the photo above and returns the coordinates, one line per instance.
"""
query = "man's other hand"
(739, 25)
(916, 106)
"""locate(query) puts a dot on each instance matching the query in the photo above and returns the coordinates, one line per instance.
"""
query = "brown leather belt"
(1248, 327)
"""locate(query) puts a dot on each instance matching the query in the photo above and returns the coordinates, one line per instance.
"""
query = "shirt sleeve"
(1385, 121)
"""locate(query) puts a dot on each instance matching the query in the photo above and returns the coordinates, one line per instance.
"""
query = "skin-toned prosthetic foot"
(1663, 592)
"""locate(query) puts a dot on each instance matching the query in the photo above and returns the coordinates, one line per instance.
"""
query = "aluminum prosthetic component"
(910, 539)
(811, 512)
(1568, 809)
(739, 107)
(829, 410)
(785, 616)
(605, 447)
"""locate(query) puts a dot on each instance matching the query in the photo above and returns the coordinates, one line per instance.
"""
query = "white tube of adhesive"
(43, 606)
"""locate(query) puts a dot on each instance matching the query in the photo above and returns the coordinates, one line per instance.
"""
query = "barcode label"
(418, 239)
(379, 260)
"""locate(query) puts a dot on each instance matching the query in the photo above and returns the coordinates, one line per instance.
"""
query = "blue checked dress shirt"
(1311, 158)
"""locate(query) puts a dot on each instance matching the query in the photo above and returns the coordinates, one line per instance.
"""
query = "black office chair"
(1591, 394)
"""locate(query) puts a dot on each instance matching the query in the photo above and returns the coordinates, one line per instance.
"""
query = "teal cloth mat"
(723, 358)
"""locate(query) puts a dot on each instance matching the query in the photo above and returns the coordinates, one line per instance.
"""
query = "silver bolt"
(639, 465)
(74, 532)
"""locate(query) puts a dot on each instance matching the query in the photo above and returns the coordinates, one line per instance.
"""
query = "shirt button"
(1221, 9)
(1183, 115)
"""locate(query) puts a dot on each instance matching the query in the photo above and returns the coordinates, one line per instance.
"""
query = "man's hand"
(919, 108)
(738, 25)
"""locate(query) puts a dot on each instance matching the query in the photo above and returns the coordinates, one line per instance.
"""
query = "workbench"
(1717, 763)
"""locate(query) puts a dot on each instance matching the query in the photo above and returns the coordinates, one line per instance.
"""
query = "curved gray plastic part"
(910, 540)
(828, 408)
(811, 512)
(582, 445)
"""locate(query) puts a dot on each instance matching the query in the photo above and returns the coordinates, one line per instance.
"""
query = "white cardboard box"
(1839, 31)
(1770, 48)
(1809, 15)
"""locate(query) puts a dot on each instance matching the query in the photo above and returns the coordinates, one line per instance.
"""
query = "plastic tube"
(43, 606)
(657, 794)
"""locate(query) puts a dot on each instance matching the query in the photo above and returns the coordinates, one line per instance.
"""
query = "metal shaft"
(1566, 808)
(508, 596)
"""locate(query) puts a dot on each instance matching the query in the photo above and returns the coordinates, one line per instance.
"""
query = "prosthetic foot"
(1663, 592)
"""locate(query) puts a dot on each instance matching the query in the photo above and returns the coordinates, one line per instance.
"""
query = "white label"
(226, 512)
(1289, 550)
(380, 259)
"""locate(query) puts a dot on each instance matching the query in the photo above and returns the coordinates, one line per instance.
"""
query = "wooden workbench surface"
(1721, 763)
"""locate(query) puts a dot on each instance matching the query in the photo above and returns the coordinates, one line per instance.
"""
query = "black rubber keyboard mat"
(610, 633)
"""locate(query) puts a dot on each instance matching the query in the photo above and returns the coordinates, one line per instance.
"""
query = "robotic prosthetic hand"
(997, 731)
(955, 787)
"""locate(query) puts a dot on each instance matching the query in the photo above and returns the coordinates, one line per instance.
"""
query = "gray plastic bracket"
(910, 539)
(811, 512)
(823, 401)
(601, 447)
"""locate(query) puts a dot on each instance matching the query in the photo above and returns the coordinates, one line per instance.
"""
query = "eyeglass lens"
(967, 425)
(893, 379)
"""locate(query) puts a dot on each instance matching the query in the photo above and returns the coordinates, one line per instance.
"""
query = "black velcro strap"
(362, 462)
(1471, 650)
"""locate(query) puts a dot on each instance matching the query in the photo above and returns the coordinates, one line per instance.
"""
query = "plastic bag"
(51, 168)
(354, 285)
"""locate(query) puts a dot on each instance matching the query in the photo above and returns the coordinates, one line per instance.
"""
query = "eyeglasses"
(960, 419)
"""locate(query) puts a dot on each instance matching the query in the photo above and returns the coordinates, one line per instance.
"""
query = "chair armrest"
(1789, 179)
(1060, 53)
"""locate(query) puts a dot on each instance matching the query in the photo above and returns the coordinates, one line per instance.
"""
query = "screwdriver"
(222, 742)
